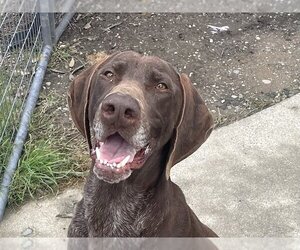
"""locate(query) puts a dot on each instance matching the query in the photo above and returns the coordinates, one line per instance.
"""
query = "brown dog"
(140, 117)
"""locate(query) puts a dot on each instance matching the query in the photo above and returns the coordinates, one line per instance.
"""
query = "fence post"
(50, 36)
(47, 21)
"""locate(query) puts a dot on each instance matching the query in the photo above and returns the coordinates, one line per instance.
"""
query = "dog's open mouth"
(115, 158)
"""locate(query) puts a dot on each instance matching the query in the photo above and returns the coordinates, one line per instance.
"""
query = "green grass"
(52, 156)
(7, 126)
(40, 170)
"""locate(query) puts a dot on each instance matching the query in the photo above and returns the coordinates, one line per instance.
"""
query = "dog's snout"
(120, 110)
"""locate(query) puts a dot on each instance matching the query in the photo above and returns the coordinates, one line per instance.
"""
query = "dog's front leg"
(78, 227)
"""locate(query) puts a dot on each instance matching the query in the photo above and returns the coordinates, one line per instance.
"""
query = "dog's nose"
(120, 110)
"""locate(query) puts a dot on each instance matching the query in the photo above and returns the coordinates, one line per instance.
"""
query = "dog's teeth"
(98, 153)
(147, 149)
(105, 162)
(101, 161)
(126, 159)
(114, 164)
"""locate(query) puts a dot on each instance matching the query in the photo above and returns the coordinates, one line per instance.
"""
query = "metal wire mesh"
(21, 45)
(26, 43)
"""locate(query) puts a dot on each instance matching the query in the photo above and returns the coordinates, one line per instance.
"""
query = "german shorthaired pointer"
(139, 117)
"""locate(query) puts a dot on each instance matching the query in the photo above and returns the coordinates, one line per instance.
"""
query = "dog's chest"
(120, 218)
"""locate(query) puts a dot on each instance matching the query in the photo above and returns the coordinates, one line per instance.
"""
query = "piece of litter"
(216, 29)
(266, 81)
(27, 232)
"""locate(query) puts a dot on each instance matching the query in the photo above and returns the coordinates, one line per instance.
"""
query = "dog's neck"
(123, 208)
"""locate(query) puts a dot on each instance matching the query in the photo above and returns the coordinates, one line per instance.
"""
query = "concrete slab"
(44, 218)
(243, 182)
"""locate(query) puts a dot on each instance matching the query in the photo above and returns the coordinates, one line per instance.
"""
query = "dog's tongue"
(115, 149)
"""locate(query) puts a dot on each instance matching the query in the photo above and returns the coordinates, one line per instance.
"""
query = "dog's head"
(130, 106)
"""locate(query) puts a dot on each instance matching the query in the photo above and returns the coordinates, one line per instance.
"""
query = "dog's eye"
(161, 86)
(109, 74)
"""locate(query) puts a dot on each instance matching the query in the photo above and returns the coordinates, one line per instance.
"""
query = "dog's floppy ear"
(78, 99)
(194, 126)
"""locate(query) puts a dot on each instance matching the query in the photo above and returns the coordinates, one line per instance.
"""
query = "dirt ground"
(239, 71)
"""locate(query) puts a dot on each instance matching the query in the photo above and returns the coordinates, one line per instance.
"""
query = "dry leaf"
(88, 25)
(96, 57)
(72, 63)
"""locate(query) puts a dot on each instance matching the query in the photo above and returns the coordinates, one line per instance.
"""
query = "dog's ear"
(194, 126)
(78, 98)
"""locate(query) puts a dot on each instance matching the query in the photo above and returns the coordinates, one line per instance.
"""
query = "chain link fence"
(26, 42)
(21, 45)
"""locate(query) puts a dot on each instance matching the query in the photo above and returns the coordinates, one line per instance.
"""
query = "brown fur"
(148, 203)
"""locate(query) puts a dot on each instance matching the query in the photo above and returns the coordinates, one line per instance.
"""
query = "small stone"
(234, 96)
(211, 40)
(48, 83)
(241, 96)
(236, 71)
(195, 84)
(27, 232)
(222, 101)
(266, 81)
(257, 38)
